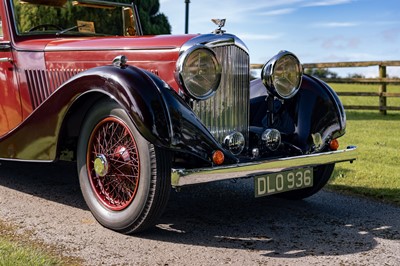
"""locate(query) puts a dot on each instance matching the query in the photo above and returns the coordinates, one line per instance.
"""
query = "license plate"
(274, 183)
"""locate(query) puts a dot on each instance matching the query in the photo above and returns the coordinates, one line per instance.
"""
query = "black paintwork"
(314, 109)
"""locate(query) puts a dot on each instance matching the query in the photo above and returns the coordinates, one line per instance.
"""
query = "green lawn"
(19, 249)
(14, 254)
(376, 173)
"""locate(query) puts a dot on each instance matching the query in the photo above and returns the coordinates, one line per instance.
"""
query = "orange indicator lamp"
(218, 157)
(334, 144)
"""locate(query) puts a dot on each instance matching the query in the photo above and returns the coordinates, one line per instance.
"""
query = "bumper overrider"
(185, 177)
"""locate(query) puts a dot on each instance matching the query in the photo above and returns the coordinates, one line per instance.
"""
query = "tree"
(356, 76)
(29, 16)
(153, 22)
(321, 73)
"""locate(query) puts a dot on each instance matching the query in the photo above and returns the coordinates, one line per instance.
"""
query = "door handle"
(5, 60)
(5, 47)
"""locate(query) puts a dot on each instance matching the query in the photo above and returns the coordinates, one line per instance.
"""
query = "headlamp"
(199, 72)
(282, 75)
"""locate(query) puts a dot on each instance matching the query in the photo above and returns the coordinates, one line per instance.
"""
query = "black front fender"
(188, 134)
(161, 116)
(318, 110)
(315, 109)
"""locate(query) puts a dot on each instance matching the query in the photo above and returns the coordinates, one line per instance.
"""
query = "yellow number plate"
(274, 183)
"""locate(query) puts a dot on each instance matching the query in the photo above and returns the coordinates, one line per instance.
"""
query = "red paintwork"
(10, 105)
(57, 56)
(79, 54)
(157, 54)
(41, 64)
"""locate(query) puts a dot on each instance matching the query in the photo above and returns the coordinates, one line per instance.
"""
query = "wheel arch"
(73, 120)
(159, 114)
(132, 89)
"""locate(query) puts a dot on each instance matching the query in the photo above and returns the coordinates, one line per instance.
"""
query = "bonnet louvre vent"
(42, 83)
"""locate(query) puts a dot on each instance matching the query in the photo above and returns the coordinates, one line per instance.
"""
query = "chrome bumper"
(184, 177)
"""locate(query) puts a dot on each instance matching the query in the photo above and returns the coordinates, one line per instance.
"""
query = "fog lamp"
(271, 138)
(235, 142)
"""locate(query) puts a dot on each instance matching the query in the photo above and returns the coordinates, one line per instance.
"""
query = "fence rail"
(383, 80)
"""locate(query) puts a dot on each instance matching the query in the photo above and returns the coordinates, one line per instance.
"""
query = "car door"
(10, 102)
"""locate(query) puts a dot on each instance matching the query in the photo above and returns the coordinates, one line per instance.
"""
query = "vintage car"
(143, 114)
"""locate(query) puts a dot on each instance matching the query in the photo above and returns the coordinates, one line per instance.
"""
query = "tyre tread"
(159, 191)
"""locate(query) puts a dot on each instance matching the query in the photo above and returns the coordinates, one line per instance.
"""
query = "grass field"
(19, 249)
(14, 254)
(376, 173)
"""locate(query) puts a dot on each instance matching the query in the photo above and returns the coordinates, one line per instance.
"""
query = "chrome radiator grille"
(228, 109)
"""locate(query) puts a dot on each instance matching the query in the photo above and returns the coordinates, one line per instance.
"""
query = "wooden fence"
(382, 80)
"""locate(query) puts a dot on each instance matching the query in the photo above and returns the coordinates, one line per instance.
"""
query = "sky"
(315, 30)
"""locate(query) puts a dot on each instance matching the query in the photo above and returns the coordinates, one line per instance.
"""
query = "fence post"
(382, 91)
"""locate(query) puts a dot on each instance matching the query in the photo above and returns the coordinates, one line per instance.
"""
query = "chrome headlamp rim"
(182, 60)
(269, 71)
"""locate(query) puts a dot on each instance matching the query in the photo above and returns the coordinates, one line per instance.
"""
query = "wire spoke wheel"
(113, 163)
(124, 179)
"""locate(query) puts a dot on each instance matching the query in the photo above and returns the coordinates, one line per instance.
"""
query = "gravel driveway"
(214, 224)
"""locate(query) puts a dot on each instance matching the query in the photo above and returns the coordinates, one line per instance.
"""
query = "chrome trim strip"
(104, 3)
(184, 177)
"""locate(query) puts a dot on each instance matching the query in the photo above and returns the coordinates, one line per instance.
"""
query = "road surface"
(214, 224)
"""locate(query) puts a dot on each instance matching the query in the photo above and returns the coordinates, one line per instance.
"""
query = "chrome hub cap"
(101, 165)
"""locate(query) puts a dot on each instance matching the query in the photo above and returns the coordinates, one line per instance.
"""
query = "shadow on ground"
(226, 215)
(57, 182)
